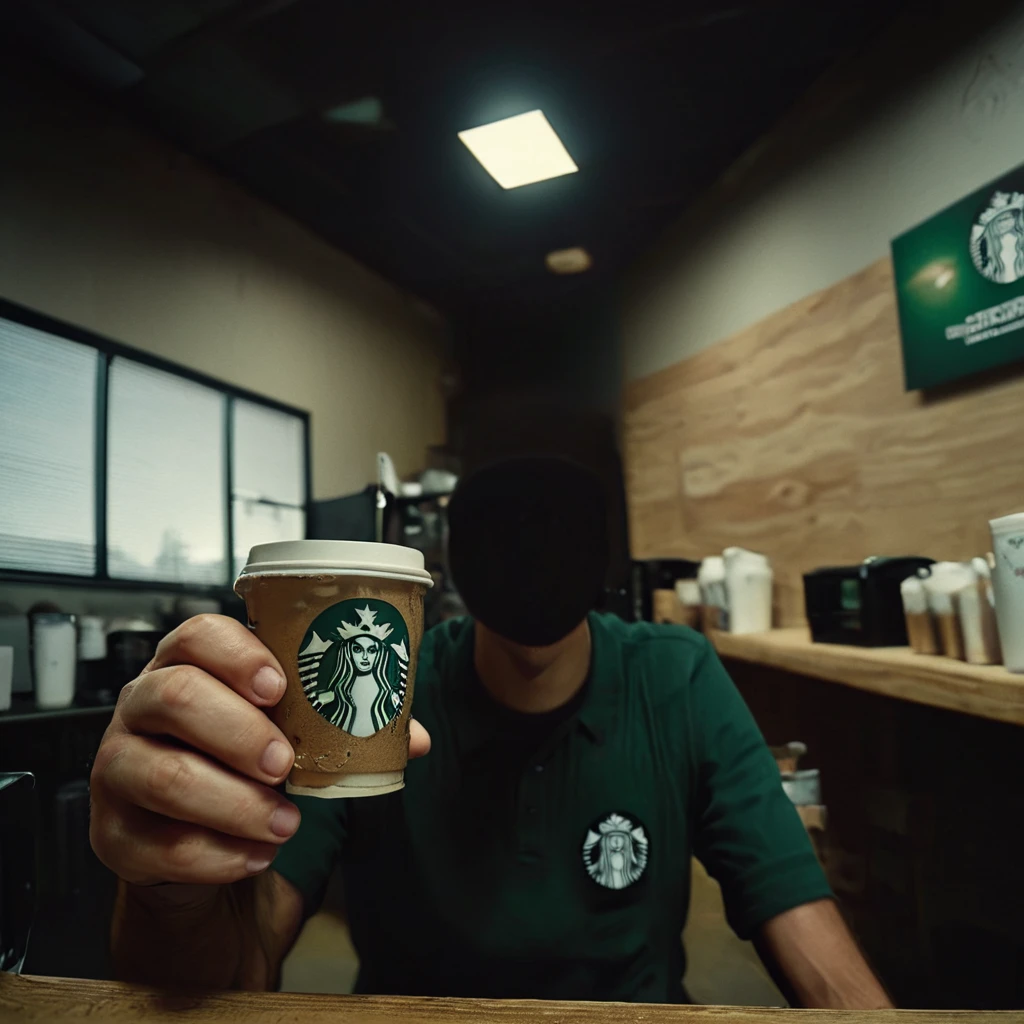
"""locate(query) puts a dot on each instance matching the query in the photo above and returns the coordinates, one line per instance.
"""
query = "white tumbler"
(1008, 584)
(6, 677)
(55, 644)
(748, 584)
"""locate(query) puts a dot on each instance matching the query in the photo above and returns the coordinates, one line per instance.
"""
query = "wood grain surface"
(35, 1000)
(795, 437)
(988, 691)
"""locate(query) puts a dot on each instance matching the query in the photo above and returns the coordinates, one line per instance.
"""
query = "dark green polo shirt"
(565, 874)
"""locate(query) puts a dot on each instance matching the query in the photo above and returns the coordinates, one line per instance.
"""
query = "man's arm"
(207, 937)
(815, 961)
(750, 838)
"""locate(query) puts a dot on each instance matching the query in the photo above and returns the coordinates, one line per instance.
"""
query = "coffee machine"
(656, 574)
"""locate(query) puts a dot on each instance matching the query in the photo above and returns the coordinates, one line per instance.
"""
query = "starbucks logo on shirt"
(354, 665)
(615, 851)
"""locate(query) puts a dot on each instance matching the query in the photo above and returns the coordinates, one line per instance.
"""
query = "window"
(47, 452)
(165, 477)
(118, 466)
(268, 493)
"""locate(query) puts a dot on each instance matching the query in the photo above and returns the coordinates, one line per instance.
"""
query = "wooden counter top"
(34, 1000)
(988, 691)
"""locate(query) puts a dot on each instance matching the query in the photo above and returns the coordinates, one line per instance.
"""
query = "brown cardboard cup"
(345, 620)
(921, 632)
(951, 636)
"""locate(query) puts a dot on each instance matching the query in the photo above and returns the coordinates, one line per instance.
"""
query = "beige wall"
(116, 232)
(826, 193)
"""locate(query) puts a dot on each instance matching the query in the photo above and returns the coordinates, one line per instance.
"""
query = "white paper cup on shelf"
(947, 579)
(977, 617)
(711, 581)
(1008, 586)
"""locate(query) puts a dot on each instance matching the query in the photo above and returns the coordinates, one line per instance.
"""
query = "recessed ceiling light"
(519, 150)
(568, 261)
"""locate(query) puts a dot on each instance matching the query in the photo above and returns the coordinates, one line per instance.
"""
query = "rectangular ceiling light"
(519, 150)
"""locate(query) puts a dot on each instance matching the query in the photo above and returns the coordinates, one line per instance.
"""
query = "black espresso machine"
(860, 604)
(656, 574)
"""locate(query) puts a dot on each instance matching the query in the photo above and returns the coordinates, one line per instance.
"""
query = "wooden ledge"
(35, 1000)
(988, 691)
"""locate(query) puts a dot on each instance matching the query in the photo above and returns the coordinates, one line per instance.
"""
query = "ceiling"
(653, 101)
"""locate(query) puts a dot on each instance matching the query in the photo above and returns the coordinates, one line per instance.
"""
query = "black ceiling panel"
(653, 101)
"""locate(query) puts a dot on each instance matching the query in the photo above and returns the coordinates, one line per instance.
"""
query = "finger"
(186, 786)
(227, 651)
(144, 848)
(419, 739)
(189, 704)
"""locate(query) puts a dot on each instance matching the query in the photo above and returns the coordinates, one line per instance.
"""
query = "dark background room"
(256, 287)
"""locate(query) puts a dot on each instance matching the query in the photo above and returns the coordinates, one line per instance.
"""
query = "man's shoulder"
(671, 653)
(440, 645)
(652, 638)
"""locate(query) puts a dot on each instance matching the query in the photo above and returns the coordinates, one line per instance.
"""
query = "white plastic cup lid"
(711, 569)
(1007, 524)
(338, 558)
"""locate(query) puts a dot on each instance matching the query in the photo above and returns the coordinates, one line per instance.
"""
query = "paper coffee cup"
(1008, 583)
(345, 620)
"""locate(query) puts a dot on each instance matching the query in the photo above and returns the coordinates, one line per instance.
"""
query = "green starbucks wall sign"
(960, 286)
(354, 665)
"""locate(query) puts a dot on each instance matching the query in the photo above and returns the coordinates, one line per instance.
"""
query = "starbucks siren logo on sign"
(354, 665)
(997, 238)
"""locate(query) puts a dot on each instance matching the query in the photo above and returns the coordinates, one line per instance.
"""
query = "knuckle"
(182, 642)
(103, 835)
(166, 777)
(180, 688)
(194, 634)
(109, 751)
(182, 853)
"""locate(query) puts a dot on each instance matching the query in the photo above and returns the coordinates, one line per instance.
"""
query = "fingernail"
(258, 862)
(267, 684)
(277, 758)
(285, 820)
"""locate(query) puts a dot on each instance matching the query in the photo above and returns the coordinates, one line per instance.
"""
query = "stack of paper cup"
(711, 580)
(947, 579)
(1008, 585)
(920, 624)
(977, 617)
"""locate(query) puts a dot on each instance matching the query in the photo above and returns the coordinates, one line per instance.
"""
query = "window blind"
(166, 469)
(268, 463)
(47, 452)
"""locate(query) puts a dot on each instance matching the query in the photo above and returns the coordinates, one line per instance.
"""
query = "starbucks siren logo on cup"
(345, 620)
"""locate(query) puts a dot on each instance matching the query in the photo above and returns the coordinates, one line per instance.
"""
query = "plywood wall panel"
(795, 438)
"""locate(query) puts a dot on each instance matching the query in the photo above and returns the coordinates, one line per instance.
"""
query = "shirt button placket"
(531, 813)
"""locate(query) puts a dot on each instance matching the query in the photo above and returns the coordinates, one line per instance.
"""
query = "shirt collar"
(598, 709)
(476, 716)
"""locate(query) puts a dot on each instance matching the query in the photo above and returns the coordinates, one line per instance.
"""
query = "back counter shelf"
(987, 691)
(24, 709)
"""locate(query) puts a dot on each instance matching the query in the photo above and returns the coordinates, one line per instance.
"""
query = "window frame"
(108, 349)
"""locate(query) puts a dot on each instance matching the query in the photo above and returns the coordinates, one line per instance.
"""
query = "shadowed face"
(616, 842)
(364, 651)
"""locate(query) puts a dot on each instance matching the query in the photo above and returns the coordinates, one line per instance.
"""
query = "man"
(542, 850)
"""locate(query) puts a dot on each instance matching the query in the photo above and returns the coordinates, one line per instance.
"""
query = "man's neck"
(532, 679)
